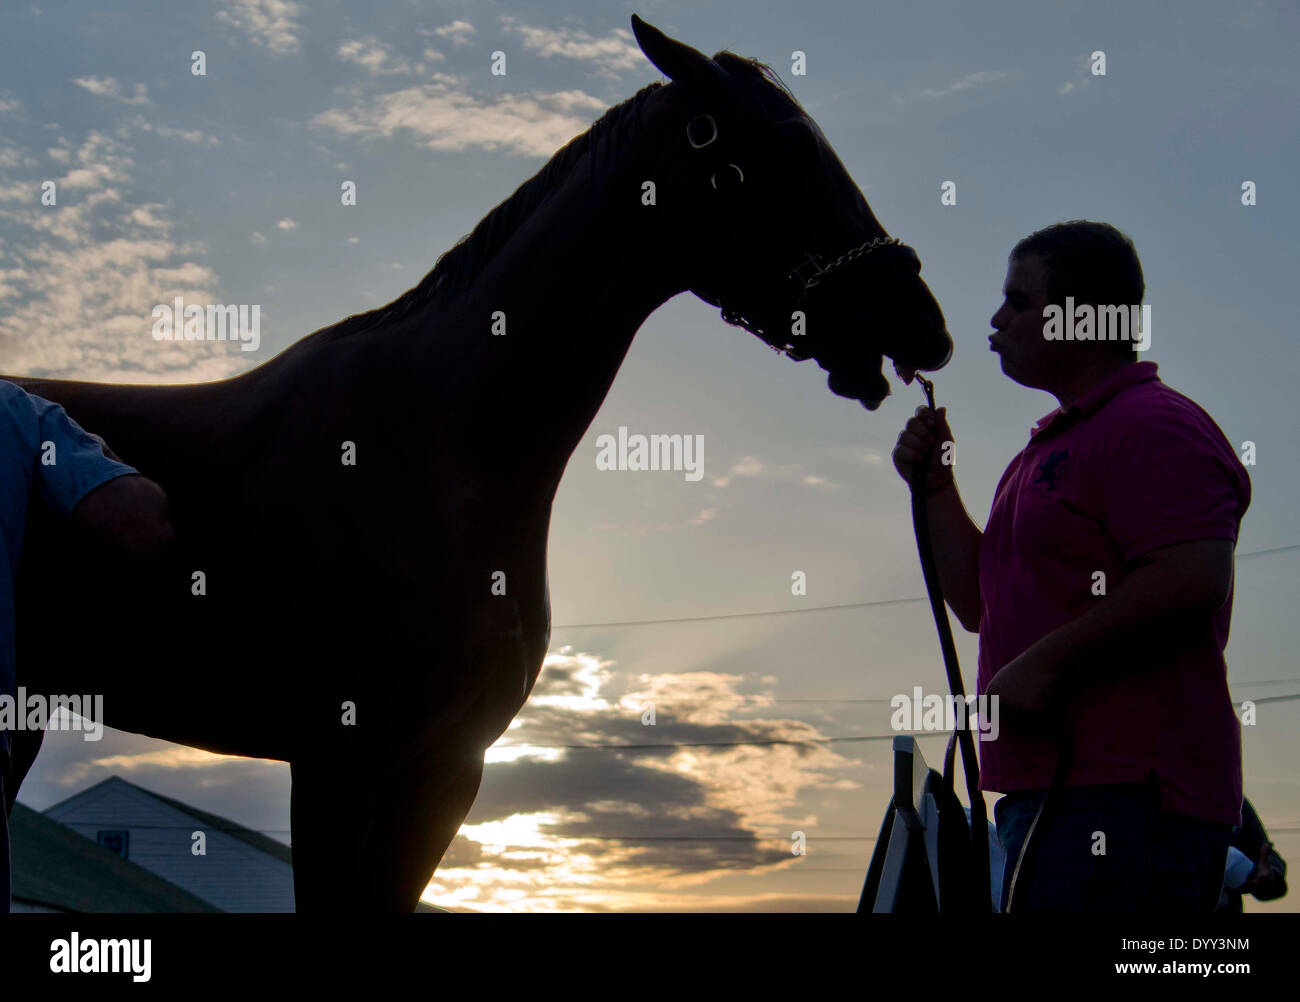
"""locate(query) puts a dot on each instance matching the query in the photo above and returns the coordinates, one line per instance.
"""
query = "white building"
(56, 870)
(240, 870)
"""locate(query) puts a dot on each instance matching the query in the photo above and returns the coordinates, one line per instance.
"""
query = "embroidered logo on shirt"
(1050, 468)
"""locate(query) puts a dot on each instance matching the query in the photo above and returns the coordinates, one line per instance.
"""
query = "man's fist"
(927, 430)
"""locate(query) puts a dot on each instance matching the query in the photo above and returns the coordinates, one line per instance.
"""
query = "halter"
(806, 275)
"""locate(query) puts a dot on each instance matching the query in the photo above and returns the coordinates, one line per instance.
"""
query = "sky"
(225, 188)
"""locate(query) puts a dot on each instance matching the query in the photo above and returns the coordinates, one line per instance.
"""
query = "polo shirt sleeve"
(70, 464)
(1172, 479)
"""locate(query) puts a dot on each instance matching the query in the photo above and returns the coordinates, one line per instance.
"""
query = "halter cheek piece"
(701, 132)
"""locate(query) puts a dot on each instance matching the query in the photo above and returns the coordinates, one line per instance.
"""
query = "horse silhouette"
(351, 620)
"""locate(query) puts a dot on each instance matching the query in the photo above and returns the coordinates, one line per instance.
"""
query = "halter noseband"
(702, 131)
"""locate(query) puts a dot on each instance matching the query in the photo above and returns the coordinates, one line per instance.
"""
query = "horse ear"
(677, 60)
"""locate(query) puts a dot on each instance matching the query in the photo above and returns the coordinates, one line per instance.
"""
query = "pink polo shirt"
(1131, 466)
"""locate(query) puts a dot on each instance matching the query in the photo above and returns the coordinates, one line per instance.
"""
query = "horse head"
(781, 238)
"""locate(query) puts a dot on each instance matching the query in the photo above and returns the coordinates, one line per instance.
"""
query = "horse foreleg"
(367, 842)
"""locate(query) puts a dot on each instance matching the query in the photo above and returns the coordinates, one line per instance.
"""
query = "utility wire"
(565, 835)
(818, 608)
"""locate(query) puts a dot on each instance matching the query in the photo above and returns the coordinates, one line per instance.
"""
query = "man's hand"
(1029, 691)
(926, 430)
(130, 513)
(1264, 882)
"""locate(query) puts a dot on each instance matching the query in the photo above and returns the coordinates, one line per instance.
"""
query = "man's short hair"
(1093, 262)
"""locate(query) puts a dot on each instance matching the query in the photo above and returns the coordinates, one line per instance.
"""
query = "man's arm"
(89, 484)
(956, 537)
(130, 513)
(1172, 592)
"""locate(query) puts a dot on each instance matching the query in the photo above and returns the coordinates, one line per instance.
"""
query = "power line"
(791, 741)
(863, 699)
(742, 615)
(739, 744)
(565, 835)
(1274, 549)
(818, 608)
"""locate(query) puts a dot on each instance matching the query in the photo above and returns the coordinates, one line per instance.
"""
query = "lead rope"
(969, 761)
(979, 817)
(1058, 780)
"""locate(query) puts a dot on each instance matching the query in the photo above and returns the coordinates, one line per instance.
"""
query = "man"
(1101, 590)
(103, 497)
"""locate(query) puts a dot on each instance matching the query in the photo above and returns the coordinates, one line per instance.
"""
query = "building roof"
(211, 822)
(55, 866)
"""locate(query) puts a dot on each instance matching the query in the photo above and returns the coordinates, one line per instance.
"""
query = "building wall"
(233, 875)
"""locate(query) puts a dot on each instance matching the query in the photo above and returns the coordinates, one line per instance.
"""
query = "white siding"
(233, 875)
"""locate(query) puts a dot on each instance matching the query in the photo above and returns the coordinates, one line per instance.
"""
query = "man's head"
(1093, 263)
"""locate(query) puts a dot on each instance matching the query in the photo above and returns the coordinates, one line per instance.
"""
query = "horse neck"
(573, 286)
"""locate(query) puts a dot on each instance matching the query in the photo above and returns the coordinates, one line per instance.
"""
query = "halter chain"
(805, 276)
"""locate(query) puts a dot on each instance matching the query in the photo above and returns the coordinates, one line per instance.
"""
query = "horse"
(358, 584)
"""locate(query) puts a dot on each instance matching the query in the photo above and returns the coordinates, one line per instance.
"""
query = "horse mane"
(457, 267)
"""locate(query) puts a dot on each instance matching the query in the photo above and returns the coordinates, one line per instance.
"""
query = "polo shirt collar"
(1092, 401)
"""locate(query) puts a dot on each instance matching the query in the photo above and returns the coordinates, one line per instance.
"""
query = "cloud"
(970, 81)
(145, 216)
(379, 59)
(752, 466)
(185, 135)
(78, 286)
(1084, 65)
(610, 54)
(12, 155)
(170, 757)
(108, 87)
(444, 116)
(458, 31)
(269, 23)
(583, 829)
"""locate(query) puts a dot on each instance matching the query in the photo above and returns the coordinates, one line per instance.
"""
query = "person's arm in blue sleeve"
(81, 479)
(1267, 881)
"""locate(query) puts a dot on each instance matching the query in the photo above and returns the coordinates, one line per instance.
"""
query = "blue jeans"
(1111, 849)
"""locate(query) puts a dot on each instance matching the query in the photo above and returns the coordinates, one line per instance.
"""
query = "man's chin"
(1016, 376)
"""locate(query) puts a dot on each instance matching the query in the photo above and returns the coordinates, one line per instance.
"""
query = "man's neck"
(1098, 369)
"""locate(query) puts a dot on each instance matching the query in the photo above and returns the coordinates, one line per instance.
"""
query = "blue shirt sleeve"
(70, 464)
